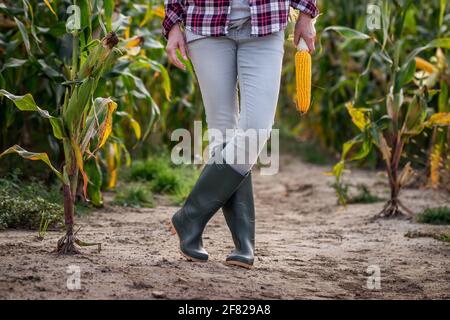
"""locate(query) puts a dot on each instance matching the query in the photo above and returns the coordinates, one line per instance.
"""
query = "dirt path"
(307, 247)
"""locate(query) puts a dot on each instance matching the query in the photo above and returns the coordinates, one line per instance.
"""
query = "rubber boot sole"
(173, 231)
(239, 264)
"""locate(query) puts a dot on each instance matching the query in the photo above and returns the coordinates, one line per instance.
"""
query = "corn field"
(88, 95)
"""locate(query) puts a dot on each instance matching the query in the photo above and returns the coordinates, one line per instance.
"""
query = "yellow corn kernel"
(303, 80)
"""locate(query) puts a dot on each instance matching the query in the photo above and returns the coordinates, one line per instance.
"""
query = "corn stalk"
(405, 115)
(83, 125)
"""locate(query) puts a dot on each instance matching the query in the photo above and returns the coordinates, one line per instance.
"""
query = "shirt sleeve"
(306, 6)
(174, 13)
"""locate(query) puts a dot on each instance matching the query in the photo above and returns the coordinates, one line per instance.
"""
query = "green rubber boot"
(214, 187)
(239, 212)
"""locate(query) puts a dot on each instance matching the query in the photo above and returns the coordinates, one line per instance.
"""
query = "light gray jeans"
(248, 63)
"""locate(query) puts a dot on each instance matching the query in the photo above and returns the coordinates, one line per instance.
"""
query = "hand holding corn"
(304, 38)
(303, 77)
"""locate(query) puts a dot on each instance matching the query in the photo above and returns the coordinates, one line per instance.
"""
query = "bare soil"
(308, 247)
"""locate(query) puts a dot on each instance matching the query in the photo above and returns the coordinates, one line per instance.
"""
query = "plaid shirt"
(210, 17)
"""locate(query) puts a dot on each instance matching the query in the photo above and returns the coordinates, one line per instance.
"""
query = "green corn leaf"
(443, 5)
(95, 175)
(443, 98)
(348, 33)
(24, 34)
(77, 104)
(27, 103)
(146, 63)
(109, 10)
(80, 164)
(32, 156)
(13, 63)
(86, 23)
(148, 15)
(405, 75)
(443, 43)
(49, 71)
(415, 118)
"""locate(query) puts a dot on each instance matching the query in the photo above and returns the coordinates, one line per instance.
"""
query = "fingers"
(183, 50)
(304, 28)
(172, 53)
(173, 59)
(296, 39)
(310, 42)
(296, 36)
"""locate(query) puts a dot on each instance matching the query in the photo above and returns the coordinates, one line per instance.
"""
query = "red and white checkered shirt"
(210, 17)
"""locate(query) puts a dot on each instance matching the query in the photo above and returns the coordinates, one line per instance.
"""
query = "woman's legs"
(256, 62)
(259, 62)
(214, 61)
(215, 65)
(259, 70)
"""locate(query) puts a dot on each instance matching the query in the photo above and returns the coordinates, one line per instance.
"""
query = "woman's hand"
(304, 28)
(176, 41)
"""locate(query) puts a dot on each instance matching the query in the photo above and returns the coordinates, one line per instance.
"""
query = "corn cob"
(89, 74)
(97, 59)
(303, 77)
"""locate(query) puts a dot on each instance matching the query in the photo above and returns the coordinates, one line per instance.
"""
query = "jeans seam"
(243, 90)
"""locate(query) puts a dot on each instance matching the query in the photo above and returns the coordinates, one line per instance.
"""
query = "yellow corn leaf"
(133, 52)
(133, 123)
(112, 179)
(47, 3)
(32, 156)
(358, 115)
(439, 119)
(106, 126)
(338, 168)
(111, 165)
(127, 32)
(422, 64)
(147, 17)
(435, 164)
(385, 149)
(406, 175)
(159, 11)
(79, 160)
(134, 42)
(442, 63)
(136, 128)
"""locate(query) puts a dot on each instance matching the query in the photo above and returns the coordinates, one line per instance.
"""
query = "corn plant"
(435, 77)
(404, 104)
(83, 122)
(36, 56)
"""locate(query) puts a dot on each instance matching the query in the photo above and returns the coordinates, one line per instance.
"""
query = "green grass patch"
(441, 236)
(158, 174)
(29, 205)
(134, 195)
(439, 216)
(363, 195)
